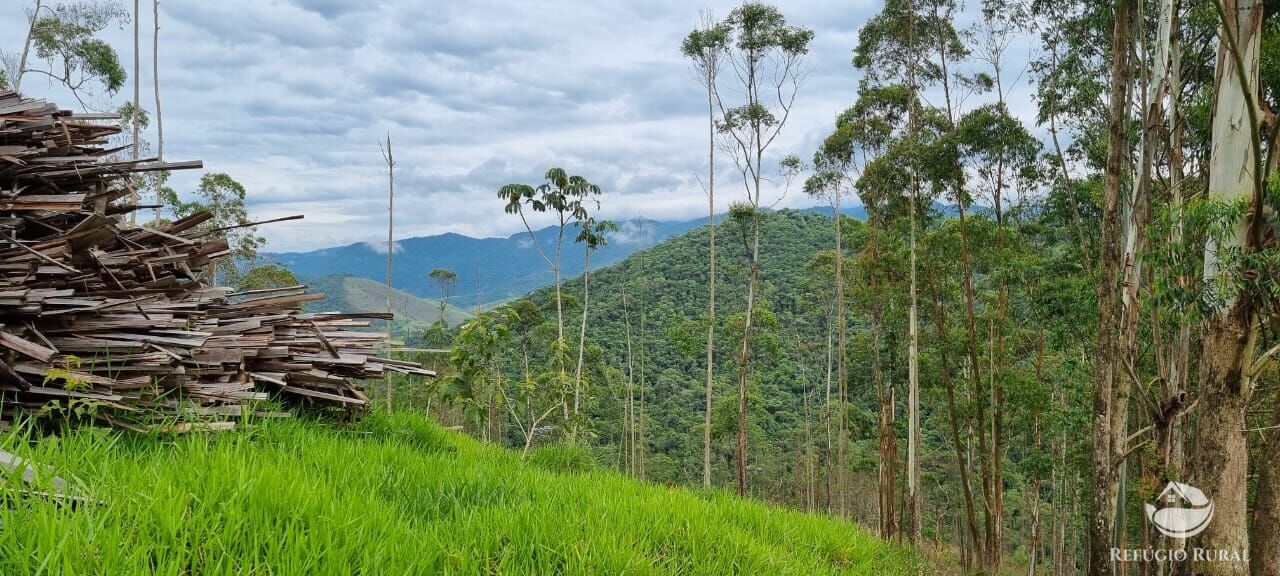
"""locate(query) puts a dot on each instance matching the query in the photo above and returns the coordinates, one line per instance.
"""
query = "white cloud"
(292, 96)
(382, 248)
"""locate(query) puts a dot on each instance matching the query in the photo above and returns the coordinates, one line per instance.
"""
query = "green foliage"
(706, 45)
(223, 196)
(264, 277)
(758, 29)
(564, 195)
(474, 359)
(294, 497)
(66, 38)
(892, 45)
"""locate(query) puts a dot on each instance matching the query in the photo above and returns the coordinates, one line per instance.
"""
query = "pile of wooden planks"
(97, 313)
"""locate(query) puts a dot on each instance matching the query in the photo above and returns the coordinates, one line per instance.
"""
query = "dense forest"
(1048, 347)
(1038, 327)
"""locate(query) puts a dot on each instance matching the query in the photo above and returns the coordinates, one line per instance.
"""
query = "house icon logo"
(1186, 511)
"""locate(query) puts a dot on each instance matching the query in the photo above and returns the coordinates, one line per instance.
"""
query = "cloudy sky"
(291, 97)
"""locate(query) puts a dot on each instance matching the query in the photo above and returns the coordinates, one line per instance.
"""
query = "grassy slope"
(392, 497)
(371, 295)
(347, 293)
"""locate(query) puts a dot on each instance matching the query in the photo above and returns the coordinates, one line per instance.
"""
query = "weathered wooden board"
(97, 309)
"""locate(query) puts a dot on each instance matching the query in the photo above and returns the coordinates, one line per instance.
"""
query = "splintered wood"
(96, 312)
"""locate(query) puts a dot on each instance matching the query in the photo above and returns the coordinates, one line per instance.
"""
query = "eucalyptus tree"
(1111, 389)
(1236, 277)
(766, 55)
(222, 195)
(592, 234)
(1000, 158)
(911, 43)
(706, 48)
(837, 165)
(864, 136)
(65, 37)
(883, 176)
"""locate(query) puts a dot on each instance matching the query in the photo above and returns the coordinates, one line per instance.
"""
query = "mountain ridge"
(492, 269)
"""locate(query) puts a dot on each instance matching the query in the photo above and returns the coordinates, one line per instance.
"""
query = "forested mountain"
(646, 331)
(489, 269)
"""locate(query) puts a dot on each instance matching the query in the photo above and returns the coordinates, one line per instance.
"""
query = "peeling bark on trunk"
(1230, 333)
(1110, 410)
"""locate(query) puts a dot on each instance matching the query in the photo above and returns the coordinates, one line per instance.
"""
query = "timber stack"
(101, 317)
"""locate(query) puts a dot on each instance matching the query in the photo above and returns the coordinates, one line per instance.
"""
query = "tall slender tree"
(766, 55)
(389, 158)
(593, 235)
(65, 36)
(1111, 389)
(446, 280)
(907, 44)
(706, 47)
(135, 117)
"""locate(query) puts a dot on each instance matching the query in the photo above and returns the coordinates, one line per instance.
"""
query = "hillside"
(489, 269)
(348, 293)
(666, 287)
(393, 496)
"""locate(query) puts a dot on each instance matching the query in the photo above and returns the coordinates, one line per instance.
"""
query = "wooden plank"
(26, 348)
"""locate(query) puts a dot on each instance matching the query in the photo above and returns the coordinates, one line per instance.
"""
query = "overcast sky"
(290, 97)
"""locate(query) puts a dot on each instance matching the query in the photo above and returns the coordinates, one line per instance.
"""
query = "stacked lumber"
(97, 312)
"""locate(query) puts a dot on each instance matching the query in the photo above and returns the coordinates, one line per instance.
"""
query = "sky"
(291, 98)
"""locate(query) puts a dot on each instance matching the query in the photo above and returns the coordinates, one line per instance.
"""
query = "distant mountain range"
(490, 270)
(348, 293)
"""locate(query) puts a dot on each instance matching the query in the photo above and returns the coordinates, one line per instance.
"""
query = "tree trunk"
(155, 77)
(939, 323)
(134, 197)
(629, 426)
(888, 439)
(1110, 410)
(1265, 543)
(1230, 332)
(711, 307)
(744, 368)
(915, 498)
(391, 199)
(26, 48)
(582, 331)
(842, 385)
(831, 470)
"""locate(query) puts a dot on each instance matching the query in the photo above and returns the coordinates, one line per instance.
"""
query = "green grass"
(392, 496)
